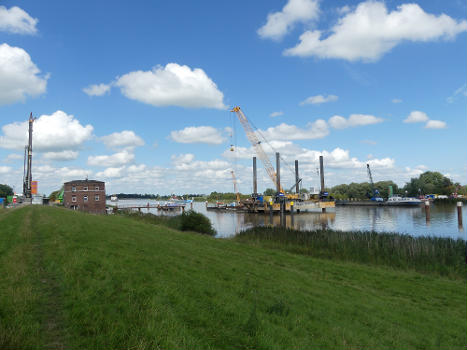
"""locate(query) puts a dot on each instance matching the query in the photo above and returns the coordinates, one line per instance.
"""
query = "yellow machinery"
(250, 133)
(234, 179)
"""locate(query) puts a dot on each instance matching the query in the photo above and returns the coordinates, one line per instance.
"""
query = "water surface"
(404, 220)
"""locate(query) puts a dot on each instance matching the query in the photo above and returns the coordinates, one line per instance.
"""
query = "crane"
(250, 133)
(375, 192)
(234, 179)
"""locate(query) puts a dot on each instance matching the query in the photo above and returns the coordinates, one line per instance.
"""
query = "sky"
(139, 94)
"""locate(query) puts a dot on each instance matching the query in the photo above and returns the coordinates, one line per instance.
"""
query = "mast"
(28, 178)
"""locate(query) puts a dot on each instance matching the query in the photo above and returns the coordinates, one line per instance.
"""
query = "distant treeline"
(427, 183)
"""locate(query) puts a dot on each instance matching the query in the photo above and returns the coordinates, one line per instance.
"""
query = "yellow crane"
(234, 179)
(256, 143)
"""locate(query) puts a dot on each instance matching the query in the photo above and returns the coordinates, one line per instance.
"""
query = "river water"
(412, 221)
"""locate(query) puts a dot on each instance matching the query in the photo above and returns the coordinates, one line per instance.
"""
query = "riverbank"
(72, 280)
(433, 255)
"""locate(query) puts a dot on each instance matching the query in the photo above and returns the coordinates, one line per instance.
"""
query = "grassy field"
(71, 280)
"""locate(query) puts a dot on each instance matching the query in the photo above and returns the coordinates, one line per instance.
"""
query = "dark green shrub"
(197, 222)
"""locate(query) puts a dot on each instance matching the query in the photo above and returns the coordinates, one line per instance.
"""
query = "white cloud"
(435, 124)
(19, 76)
(318, 99)
(12, 157)
(276, 114)
(61, 156)
(51, 133)
(416, 117)
(280, 23)
(5, 169)
(369, 142)
(315, 130)
(370, 31)
(187, 162)
(113, 160)
(16, 20)
(396, 100)
(172, 85)
(125, 138)
(111, 172)
(198, 134)
(97, 89)
(338, 122)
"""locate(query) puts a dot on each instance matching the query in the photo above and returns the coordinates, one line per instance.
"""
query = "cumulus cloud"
(416, 117)
(370, 31)
(338, 122)
(315, 130)
(421, 117)
(318, 99)
(52, 133)
(111, 172)
(172, 85)
(16, 20)
(276, 114)
(279, 23)
(124, 139)
(198, 134)
(435, 124)
(97, 89)
(19, 76)
(187, 162)
(113, 160)
(61, 156)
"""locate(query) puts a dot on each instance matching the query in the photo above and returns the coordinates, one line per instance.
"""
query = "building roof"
(83, 181)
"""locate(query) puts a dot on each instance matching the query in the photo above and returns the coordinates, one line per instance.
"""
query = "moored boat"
(403, 201)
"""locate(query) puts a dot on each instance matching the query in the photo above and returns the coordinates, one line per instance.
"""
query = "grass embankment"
(73, 280)
(442, 256)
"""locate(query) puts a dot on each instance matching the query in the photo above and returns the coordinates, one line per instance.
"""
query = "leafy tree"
(269, 192)
(5, 191)
(430, 182)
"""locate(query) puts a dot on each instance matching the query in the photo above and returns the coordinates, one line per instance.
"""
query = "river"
(412, 221)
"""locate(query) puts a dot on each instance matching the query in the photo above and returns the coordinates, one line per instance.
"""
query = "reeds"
(444, 256)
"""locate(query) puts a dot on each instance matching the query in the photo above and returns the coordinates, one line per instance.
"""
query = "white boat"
(399, 200)
(113, 198)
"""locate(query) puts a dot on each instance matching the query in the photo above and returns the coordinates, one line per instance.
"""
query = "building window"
(96, 197)
(85, 198)
(85, 188)
(73, 189)
(97, 188)
(73, 199)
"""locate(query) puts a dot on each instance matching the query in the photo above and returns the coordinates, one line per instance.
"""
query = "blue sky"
(138, 93)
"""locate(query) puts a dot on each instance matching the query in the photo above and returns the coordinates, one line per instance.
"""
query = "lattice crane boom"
(234, 179)
(251, 135)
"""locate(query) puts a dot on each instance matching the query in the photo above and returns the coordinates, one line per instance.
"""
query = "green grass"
(443, 256)
(72, 280)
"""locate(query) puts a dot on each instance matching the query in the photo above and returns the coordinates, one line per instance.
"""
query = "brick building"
(85, 195)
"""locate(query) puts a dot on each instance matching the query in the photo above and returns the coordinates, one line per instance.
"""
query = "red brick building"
(85, 195)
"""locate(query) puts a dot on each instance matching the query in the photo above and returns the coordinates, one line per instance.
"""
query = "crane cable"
(264, 138)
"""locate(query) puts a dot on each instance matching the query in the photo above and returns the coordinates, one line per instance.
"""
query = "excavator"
(374, 192)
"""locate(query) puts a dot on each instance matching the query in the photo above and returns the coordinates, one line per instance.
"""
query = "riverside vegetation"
(74, 280)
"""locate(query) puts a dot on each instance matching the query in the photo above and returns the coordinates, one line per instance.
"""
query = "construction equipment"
(27, 179)
(374, 192)
(250, 133)
(234, 179)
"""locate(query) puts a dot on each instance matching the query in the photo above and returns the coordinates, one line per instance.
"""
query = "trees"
(5, 191)
(269, 192)
(430, 182)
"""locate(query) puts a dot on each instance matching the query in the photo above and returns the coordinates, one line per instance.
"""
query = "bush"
(197, 222)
